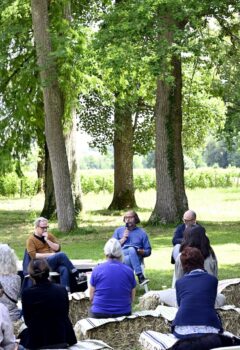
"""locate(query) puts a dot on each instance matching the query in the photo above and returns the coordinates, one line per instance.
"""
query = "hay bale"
(149, 301)
(230, 321)
(78, 308)
(125, 334)
(152, 299)
(232, 293)
(17, 325)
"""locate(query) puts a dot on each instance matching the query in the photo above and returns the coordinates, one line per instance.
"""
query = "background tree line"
(137, 75)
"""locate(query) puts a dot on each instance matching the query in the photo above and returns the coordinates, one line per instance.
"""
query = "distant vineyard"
(144, 179)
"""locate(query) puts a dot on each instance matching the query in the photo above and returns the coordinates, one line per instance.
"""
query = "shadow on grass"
(14, 217)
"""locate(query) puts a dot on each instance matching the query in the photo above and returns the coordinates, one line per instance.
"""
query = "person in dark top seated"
(45, 308)
(112, 284)
(189, 219)
(196, 237)
(196, 293)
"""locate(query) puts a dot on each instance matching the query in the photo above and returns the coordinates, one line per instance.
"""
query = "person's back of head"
(195, 236)
(113, 249)
(38, 270)
(191, 259)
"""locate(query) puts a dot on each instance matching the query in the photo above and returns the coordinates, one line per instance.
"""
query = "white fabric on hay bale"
(228, 282)
(231, 289)
(130, 326)
(79, 304)
(150, 300)
(88, 345)
(84, 325)
(151, 340)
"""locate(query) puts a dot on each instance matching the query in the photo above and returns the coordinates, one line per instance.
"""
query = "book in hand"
(130, 245)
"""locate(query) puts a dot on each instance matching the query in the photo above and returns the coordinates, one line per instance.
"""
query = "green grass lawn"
(218, 210)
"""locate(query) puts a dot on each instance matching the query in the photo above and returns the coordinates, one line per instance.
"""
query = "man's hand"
(140, 251)
(45, 235)
(124, 237)
(126, 233)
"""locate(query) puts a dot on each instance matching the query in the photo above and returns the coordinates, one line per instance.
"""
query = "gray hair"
(8, 260)
(113, 249)
(38, 220)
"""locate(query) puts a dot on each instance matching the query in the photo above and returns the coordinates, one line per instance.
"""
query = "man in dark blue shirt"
(189, 219)
(135, 244)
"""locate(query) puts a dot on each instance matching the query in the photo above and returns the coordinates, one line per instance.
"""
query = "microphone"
(126, 225)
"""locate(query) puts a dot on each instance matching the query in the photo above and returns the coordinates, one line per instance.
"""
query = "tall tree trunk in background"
(73, 155)
(49, 208)
(123, 196)
(54, 111)
(171, 199)
(40, 170)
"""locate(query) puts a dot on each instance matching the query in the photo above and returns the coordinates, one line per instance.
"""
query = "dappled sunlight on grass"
(218, 210)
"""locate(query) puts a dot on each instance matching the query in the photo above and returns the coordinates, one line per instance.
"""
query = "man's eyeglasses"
(187, 220)
(44, 227)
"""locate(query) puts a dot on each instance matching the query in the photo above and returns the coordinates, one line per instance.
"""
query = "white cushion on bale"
(89, 344)
(84, 325)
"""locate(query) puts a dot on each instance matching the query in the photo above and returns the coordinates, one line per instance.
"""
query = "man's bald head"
(189, 218)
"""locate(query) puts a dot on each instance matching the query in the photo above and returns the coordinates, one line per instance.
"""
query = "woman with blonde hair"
(10, 281)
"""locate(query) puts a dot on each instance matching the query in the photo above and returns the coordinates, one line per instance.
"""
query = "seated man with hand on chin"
(135, 244)
(43, 245)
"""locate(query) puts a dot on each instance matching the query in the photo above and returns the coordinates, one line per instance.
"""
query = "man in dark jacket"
(189, 219)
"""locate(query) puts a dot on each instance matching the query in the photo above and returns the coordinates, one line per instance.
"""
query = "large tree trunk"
(73, 155)
(49, 208)
(123, 196)
(54, 111)
(40, 170)
(171, 199)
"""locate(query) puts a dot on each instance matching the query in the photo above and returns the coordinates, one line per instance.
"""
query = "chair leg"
(146, 288)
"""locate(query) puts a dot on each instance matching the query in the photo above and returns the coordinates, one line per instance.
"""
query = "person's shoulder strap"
(10, 298)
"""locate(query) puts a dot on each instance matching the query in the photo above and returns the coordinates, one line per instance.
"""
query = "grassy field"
(218, 210)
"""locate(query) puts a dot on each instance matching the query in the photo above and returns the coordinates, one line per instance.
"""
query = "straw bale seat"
(231, 320)
(152, 299)
(122, 332)
(79, 304)
(232, 293)
(17, 325)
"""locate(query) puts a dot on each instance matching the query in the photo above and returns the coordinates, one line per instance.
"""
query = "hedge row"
(102, 180)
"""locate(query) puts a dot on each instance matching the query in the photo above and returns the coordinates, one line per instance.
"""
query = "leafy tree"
(54, 111)
(23, 113)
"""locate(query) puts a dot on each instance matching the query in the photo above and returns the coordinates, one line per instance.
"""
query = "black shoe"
(142, 280)
(81, 278)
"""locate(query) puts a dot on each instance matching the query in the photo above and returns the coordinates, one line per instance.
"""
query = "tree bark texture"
(49, 208)
(171, 199)
(123, 196)
(73, 156)
(54, 110)
(40, 171)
